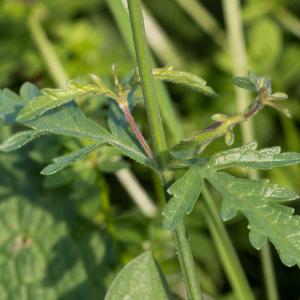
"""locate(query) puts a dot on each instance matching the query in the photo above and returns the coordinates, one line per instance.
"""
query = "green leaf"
(140, 279)
(53, 98)
(248, 157)
(245, 83)
(185, 191)
(257, 200)
(264, 52)
(68, 120)
(39, 259)
(29, 91)
(63, 161)
(20, 139)
(192, 81)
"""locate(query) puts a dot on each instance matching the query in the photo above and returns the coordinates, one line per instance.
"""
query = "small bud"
(229, 137)
(219, 117)
(278, 96)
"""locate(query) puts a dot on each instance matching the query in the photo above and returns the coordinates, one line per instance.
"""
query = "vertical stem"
(228, 256)
(158, 139)
(147, 81)
(238, 51)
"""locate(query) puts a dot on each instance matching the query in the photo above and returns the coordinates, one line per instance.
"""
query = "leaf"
(68, 120)
(245, 83)
(20, 139)
(264, 52)
(140, 279)
(267, 220)
(29, 91)
(124, 138)
(68, 159)
(53, 98)
(192, 81)
(248, 157)
(38, 256)
(185, 191)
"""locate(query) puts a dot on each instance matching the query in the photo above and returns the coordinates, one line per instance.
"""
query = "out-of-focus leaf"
(185, 193)
(264, 52)
(244, 83)
(258, 201)
(29, 91)
(140, 279)
(38, 257)
(68, 159)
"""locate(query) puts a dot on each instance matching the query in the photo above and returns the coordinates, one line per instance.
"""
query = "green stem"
(228, 256)
(158, 139)
(147, 82)
(266, 258)
(236, 39)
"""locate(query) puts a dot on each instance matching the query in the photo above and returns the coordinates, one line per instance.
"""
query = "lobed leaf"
(258, 201)
(140, 279)
(248, 157)
(63, 161)
(185, 193)
(192, 81)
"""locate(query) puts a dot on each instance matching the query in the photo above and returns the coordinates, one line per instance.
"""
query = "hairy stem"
(238, 52)
(158, 138)
(137, 131)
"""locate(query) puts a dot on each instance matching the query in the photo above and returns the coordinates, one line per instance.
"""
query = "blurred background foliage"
(65, 236)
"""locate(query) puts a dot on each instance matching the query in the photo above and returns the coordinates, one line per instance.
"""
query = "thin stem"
(238, 52)
(59, 76)
(136, 131)
(158, 139)
(187, 263)
(227, 253)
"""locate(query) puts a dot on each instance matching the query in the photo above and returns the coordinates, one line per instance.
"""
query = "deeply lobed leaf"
(185, 193)
(267, 220)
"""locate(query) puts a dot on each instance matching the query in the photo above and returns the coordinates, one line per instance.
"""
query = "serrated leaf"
(20, 139)
(185, 193)
(248, 157)
(254, 198)
(63, 161)
(245, 83)
(192, 81)
(140, 279)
